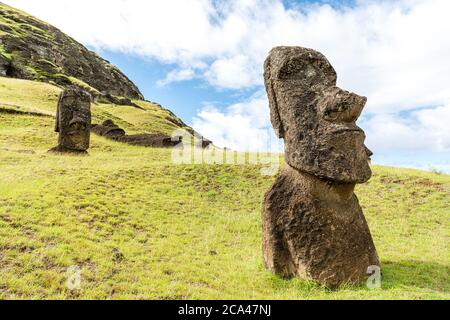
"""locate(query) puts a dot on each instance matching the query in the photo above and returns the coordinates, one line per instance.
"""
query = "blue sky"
(185, 98)
(203, 60)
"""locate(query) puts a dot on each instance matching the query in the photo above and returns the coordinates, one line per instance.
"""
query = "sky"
(204, 61)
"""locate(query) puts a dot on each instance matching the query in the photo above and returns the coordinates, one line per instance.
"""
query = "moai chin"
(73, 121)
(313, 225)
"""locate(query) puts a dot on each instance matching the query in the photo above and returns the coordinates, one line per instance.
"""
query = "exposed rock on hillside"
(110, 130)
(34, 50)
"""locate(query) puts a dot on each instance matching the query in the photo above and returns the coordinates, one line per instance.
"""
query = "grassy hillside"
(142, 228)
(41, 98)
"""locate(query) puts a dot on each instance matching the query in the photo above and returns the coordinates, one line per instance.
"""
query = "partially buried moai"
(73, 121)
(313, 225)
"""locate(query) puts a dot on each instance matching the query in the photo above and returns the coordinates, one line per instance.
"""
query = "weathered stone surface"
(154, 140)
(121, 101)
(316, 230)
(314, 117)
(108, 129)
(4, 66)
(313, 226)
(73, 121)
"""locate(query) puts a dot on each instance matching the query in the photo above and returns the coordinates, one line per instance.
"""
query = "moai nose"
(349, 105)
(357, 105)
(343, 106)
(368, 152)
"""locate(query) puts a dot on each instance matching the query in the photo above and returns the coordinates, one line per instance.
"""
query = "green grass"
(185, 231)
(28, 95)
(32, 96)
(4, 53)
(84, 85)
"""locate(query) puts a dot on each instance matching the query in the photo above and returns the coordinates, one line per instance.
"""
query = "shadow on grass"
(395, 275)
(418, 274)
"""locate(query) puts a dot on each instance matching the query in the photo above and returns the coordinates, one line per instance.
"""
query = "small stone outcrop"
(110, 130)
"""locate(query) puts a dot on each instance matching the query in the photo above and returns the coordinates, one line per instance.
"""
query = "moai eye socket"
(78, 122)
(308, 70)
(297, 69)
(334, 111)
(76, 126)
(290, 70)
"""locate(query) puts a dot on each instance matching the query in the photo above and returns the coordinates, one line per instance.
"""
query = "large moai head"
(316, 119)
(73, 119)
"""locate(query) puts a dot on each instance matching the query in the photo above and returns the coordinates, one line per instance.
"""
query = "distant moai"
(313, 225)
(73, 121)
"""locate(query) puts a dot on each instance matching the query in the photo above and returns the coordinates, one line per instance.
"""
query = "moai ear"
(274, 111)
(275, 114)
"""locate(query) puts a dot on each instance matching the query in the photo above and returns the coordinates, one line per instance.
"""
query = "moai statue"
(313, 225)
(73, 121)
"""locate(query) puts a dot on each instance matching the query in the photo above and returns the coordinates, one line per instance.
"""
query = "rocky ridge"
(34, 50)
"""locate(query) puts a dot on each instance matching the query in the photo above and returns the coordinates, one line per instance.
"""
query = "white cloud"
(422, 130)
(231, 73)
(420, 139)
(176, 76)
(243, 126)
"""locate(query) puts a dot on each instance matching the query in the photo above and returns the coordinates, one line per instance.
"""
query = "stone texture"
(121, 101)
(315, 229)
(314, 117)
(108, 129)
(313, 226)
(73, 121)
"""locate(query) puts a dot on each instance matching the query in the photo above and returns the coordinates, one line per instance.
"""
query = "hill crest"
(34, 50)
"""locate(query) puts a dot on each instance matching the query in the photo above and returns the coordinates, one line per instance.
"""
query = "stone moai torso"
(313, 225)
(73, 121)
